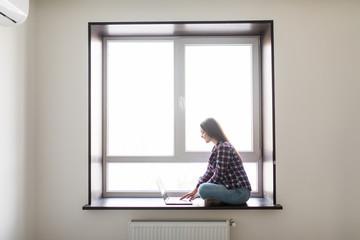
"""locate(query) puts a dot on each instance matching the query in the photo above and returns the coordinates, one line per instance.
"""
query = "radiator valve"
(232, 223)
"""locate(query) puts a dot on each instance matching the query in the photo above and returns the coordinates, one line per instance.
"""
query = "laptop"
(170, 200)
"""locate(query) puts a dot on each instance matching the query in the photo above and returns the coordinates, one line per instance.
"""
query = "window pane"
(176, 176)
(218, 84)
(251, 169)
(142, 176)
(140, 95)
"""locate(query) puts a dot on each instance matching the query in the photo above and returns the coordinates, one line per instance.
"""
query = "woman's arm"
(207, 175)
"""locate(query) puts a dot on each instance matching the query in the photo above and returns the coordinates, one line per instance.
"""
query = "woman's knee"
(210, 190)
(204, 190)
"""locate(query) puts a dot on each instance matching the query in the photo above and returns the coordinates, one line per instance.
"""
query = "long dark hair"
(215, 131)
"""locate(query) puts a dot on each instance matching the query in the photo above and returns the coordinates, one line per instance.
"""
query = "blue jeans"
(221, 193)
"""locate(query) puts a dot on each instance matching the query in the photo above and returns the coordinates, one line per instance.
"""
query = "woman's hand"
(191, 195)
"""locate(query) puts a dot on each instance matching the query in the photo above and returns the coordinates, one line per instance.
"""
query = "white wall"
(317, 117)
(15, 199)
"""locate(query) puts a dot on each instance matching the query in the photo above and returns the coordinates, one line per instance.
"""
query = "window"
(158, 91)
(139, 98)
(147, 82)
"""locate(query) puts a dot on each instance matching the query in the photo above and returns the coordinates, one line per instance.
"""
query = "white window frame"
(179, 110)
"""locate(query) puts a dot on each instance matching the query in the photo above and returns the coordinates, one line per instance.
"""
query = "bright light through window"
(180, 177)
(140, 98)
(148, 135)
(218, 84)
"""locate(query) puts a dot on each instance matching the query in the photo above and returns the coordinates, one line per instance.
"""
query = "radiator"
(179, 230)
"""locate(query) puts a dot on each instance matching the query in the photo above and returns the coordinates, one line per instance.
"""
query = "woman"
(225, 180)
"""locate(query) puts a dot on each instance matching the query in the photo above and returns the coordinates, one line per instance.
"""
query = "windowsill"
(158, 204)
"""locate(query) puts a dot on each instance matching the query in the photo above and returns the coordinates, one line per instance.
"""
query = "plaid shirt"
(225, 167)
